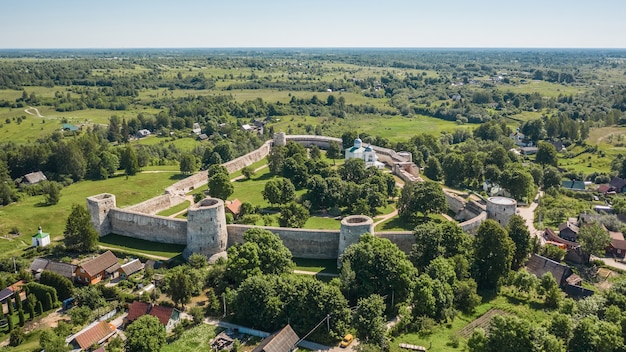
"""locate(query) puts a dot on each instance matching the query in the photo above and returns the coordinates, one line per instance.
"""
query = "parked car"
(347, 340)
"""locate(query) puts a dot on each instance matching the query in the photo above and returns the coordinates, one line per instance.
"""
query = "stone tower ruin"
(98, 207)
(351, 230)
(206, 228)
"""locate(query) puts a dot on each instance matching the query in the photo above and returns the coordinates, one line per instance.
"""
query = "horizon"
(160, 24)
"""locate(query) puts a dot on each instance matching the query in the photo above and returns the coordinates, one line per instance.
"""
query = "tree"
(453, 169)
(546, 154)
(592, 334)
(293, 215)
(279, 191)
(493, 251)
(262, 253)
(433, 169)
(146, 334)
(518, 182)
(432, 298)
(551, 177)
(424, 197)
(334, 150)
(64, 287)
(247, 172)
(315, 153)
(79, 234)
(129, 161)
(188, 163)
(465, 297)
(433, 240)
(52, 342)
(353, 170)
(52, 192)
(220, 186)
(179, 286)
(16, 337)
(276, 159)
(593, 239)
(380, 267)
(369, 320)
(198, 261)
(518, 231)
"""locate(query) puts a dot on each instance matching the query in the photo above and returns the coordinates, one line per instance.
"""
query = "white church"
(367, 154)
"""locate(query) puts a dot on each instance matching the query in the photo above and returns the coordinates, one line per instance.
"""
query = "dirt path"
(313, 273)
(188, 197)
(28, 111)
(385, 217)
(528, 213)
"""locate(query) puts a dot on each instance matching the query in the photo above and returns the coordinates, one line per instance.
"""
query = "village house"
(281, 341)
(233, 207)
(33, 178)
(618, 185)
(130, 268)
(95, 334)
(563, 274)
(40, 264)
(93, 271)
(568, 230)
(168, 316)
(143, 133)
(617, 247)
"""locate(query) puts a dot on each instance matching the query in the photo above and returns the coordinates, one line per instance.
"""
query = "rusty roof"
(94, 334)
(234, 206)
(137, 309)
(162, 312)
(100, 263)
(280, 341)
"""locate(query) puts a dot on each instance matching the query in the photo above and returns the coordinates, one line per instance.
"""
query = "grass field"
(138, 246)
(317, 265)
(31, 212)
(544, 88)
(397, 224)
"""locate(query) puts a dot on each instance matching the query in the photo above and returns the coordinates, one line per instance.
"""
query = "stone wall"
(303, 243)
(248, 159)
(148, 227)
(455, 203)
(403, 239)
(188, 184)
(389, 156)
(321, 141)
(472, 224)
(156, 204)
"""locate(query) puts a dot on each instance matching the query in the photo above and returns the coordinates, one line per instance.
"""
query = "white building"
(367, 154)
(40, 239)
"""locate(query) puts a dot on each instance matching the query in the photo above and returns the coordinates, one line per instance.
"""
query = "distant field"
(545, 89)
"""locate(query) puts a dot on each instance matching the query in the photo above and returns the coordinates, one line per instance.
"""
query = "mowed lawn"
(31, 212)
(134, 245)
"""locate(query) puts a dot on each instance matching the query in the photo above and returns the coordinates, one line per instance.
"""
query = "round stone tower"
(98, 207)
(501, 209)
(280, 139)
(206, 228)
(352, 227)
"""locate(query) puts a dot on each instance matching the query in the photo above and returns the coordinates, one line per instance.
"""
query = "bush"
(16, 337)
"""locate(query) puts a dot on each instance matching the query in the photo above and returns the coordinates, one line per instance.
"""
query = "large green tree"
(593, 239)
(434, 239)
(293, 215)
(179, 286)
(188, 163)
(129, 161)
(146, 334)
(421, 197)
(220, 186)
(79, 234)
(369, 320)
(518, 231)
(380, 267)
(279, 191)
(493, 252)
(262, 253)
(546, 154)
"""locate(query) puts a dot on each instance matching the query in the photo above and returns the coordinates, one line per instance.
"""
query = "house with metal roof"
(281, 341)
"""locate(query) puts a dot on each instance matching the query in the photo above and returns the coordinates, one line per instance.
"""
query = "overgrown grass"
(134, 245)
(396, 223)
(194, 339)
(175, 209)
(316, 222)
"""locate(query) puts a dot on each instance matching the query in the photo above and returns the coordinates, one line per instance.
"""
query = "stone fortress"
(205, 230)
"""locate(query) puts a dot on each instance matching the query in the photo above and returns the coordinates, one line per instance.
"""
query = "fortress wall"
(472, 224)
(148, 227)
(303, 243)
(188, 184)
(248, 159)
(403, 239)
(321, 141)
(156, 204)
(388, 156)
(455, 202)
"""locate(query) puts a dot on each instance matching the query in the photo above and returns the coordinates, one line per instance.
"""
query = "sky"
(320, 23)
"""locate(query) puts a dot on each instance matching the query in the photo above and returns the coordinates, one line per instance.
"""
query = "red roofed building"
(92, 335)
(234, 207)
(168, 316)
(93, 271)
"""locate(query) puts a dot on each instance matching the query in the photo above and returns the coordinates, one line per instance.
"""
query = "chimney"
(39, 230)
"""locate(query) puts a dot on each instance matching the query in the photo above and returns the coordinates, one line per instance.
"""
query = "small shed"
(33, 178)
(280, 341)
(130, 268)
(40, 239)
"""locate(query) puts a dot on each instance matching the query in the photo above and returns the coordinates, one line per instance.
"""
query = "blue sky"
(321, 23)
